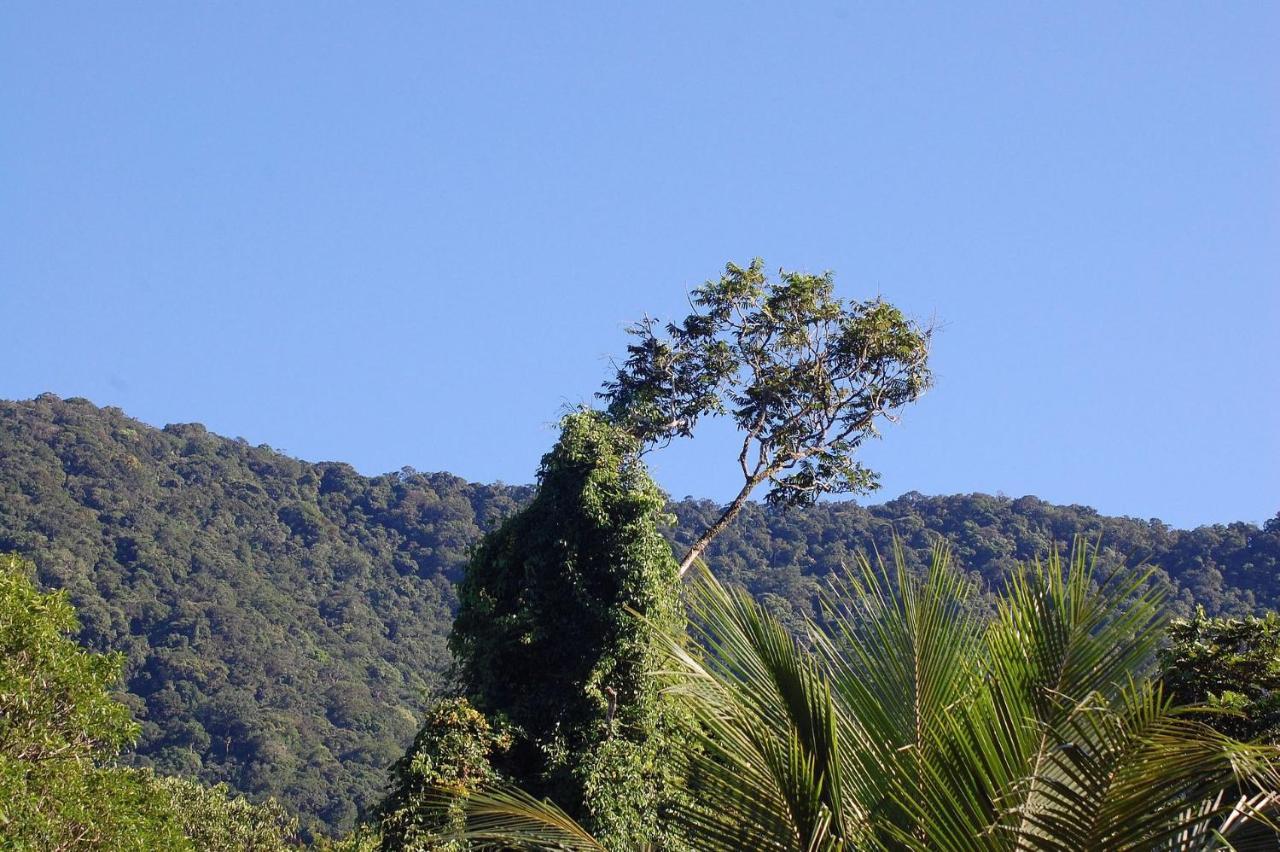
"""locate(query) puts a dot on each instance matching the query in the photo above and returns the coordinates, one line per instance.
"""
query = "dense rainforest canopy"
(284, 624)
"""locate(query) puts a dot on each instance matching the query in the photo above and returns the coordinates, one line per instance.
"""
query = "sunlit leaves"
(805, 376)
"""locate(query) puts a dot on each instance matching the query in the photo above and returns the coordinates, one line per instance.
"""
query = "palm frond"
(906, 721)
(770, 735)
(508, 818)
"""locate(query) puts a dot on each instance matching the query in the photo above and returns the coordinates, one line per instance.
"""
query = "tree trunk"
(726, 518)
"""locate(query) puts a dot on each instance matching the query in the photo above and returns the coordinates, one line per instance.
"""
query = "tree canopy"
(805, 376)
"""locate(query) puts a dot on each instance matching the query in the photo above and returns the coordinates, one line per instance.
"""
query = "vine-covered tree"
(555, 634)
(806, 377)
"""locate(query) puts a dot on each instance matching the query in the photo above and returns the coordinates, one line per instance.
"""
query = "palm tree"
(909, 719)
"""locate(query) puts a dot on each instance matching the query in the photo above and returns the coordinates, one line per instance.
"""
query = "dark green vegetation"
(59, 731)
(550, 639)
(784, 558)
(280, 621)
(1232, 664)
(910, 721)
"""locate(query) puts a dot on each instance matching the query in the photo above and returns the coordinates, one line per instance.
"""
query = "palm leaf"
(907, 722)
(768, 771)
(505, 818)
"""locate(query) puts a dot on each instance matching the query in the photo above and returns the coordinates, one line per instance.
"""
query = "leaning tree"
(804, 375)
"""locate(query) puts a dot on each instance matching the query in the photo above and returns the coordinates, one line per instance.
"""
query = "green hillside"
(282, 620)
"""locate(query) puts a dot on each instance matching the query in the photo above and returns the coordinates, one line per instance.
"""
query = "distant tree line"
(284, 625)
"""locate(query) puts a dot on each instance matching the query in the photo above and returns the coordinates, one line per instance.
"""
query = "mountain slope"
(283, 620)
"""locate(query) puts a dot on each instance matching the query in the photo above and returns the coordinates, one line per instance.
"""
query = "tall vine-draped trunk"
(547, 637)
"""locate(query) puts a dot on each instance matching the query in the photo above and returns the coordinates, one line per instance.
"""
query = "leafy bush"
(1232, 664)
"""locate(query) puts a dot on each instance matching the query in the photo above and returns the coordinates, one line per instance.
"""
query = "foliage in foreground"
(907, 721)
(59, 730)
(451, 757)
(1232, 664)
(214, 819)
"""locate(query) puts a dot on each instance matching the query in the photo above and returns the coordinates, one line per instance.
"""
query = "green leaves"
(60, 729)
(57, 716)
(805, 376)
(767, 717)
(59, 726)
(1232, 664)
(54, 695)
(544, 641)
(215, 820)
(906, 721)
(450, 759)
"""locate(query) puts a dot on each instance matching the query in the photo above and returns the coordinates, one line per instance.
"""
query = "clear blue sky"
(410, 233)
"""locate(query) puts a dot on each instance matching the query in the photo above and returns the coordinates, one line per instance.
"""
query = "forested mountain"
(283, 620)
